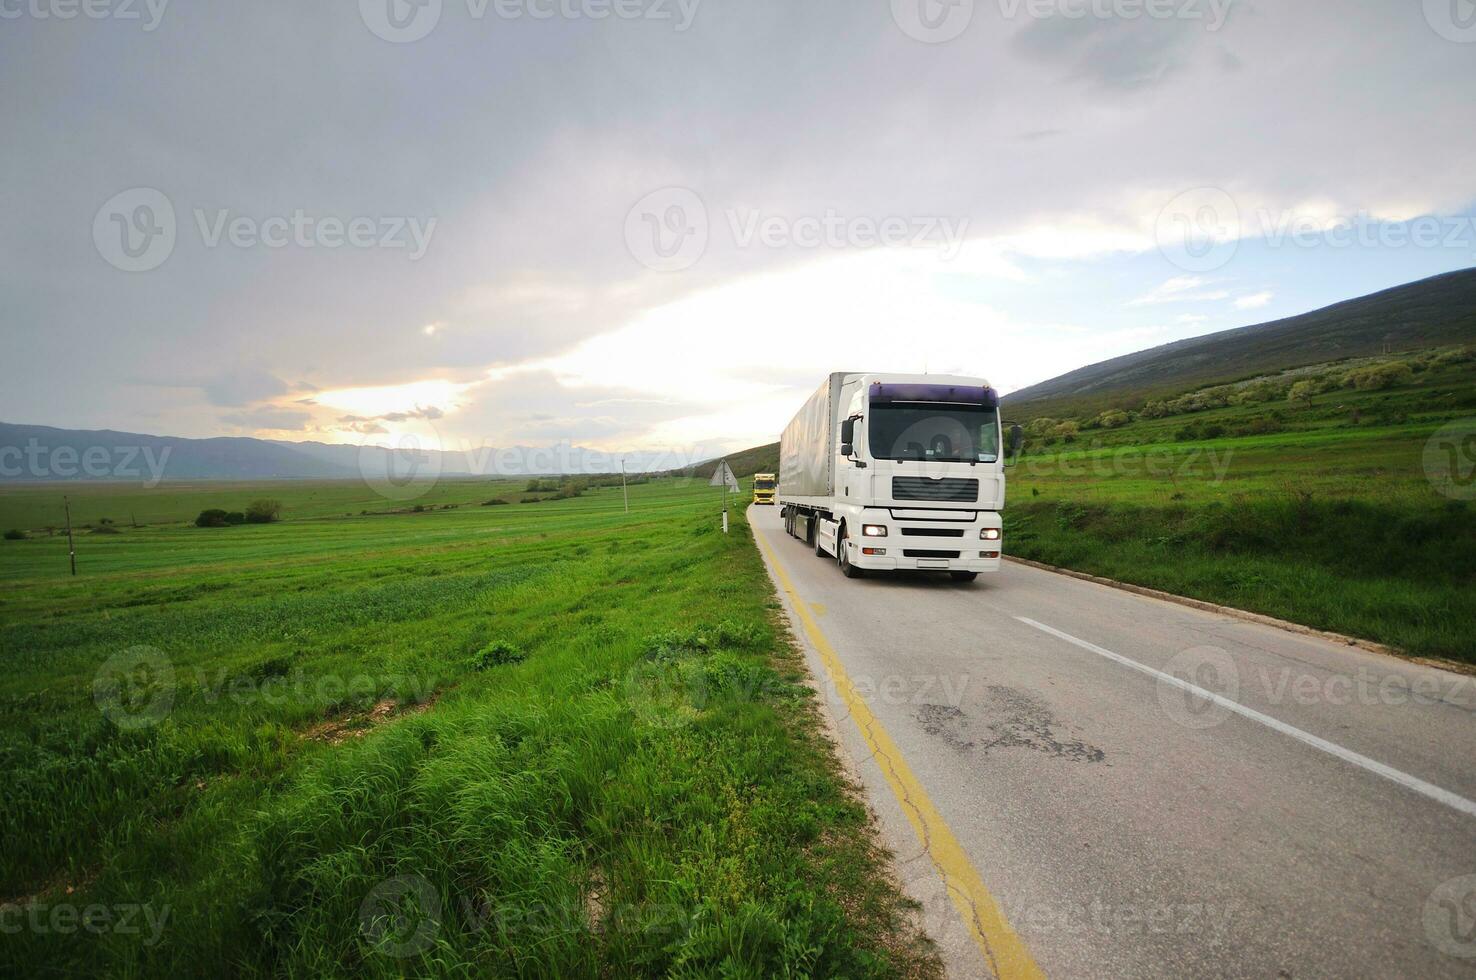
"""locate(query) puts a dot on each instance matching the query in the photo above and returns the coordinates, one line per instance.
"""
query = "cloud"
(1112, 53)
(365, 427)
(430, 412)
(1254, 301)
(1181, 289)
(268, 418)
(243, 386)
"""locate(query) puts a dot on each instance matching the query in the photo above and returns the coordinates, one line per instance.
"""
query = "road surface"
(1083, 782)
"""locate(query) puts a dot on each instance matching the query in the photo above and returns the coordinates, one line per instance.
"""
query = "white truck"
(888, 471)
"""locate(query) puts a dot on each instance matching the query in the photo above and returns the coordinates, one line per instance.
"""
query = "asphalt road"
(1064, 800)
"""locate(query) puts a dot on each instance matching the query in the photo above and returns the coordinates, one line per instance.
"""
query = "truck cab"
(764, 487)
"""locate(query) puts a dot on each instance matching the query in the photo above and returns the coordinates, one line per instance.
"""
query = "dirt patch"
(596, 896)
(57, 886)
(336, 731)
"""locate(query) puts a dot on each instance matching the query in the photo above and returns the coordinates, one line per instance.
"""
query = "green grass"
(556, 739)
(1332, 521)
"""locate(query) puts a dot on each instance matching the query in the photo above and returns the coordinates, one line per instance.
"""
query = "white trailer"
(888, 471)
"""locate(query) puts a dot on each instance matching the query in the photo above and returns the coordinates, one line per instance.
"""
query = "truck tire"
(815, 537)
(963, 576)
(847, 569)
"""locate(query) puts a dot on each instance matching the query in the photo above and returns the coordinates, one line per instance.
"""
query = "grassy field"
(36, 506)
(546, 740)
(1338, 510)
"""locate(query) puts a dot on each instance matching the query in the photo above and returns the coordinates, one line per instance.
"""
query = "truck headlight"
(989, 534)
(874, 530)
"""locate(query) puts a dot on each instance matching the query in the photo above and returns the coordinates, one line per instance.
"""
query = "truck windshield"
(763, 484)
(934, 432)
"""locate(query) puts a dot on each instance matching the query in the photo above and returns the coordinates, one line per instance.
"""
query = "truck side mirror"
(1016, 441)
(848, 437)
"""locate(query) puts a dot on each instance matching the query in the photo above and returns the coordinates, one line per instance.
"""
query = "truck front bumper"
(963, 563)
(927, 545)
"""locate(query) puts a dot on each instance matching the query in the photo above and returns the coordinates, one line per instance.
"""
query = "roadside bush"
(214, 517)
(1039, 428)
(16, 534)
(235, 517)
(530, 500)
(1302, 392)
(1379, 376)
(495, 502)
(497, 654)
(263, 511)
(1447, 357)
(1065, 431)
(1259, 391)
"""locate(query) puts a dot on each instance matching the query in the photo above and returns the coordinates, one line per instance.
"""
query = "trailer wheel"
(847, 569)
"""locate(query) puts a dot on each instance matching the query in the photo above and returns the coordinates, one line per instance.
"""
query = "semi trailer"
(898, 471)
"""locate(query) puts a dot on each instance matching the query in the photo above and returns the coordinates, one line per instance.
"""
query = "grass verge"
(544, 740)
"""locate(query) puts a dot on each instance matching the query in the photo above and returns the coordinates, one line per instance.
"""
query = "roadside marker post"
(723, 478)
(71, 543)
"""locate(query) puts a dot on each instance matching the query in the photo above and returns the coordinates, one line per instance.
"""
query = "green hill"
(1419, 315)
(760, 459)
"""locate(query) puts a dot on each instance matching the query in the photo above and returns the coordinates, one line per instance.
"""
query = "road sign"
(723, 477)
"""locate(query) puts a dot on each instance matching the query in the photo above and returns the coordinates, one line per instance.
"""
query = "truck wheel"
(815, 536)
(847, 569)
(963, 576)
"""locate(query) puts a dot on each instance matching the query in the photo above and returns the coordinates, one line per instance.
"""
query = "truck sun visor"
(954, 394)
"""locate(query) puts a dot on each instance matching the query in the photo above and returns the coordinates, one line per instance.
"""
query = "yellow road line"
(1003, 950)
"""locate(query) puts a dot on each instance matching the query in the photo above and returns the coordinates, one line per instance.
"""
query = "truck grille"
(921, 553)
(933, 532)
(922, 488)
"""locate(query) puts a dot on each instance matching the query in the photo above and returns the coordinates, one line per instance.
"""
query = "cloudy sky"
(643, 224)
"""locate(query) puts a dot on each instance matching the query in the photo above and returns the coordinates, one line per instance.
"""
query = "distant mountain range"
(30, 453)
(1430, 313)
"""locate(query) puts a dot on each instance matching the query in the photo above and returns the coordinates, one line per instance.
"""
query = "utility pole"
(624, 492)
(71, 543)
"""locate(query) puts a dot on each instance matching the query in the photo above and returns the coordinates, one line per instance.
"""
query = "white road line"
(1404, 779)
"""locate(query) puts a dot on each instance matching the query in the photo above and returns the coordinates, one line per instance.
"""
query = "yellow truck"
(763, 488)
